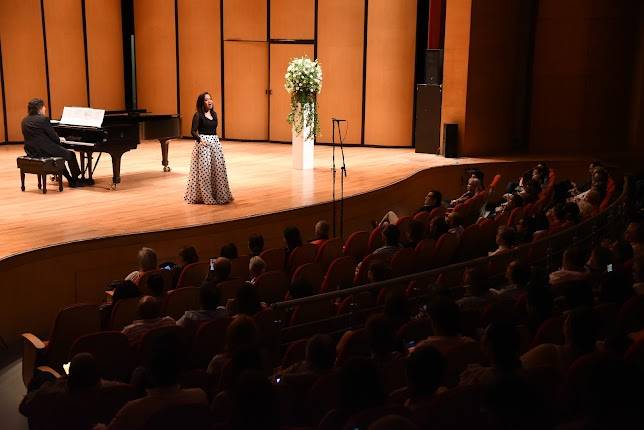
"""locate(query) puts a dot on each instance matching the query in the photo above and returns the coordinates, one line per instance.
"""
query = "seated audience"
(210, 300)
(581, 328)
(299, 289)
(256, 267)
(221, 272)
(378, 271)
(477, 290)
(589, 205)
(525, 229)
(622, 255)
(319, 357)
(501, 343)
(505, 240)
(149, 312)
(518, 275)
(255, 244)
(255, 403)
(241, 333)
(433, 200)
(426, 368)
(292, 239)
(120, 290)
(187, 255)
(147, 263)
(397, 309)
(445, 321)
(229, 251)
(156, 286)
(321, 233)
(384, 346)
(74, 402)
(474, 185)
(391, 237)
(573, 267)
(615, 287)
(512, 202)
(539, 306)
(247, 301)
(163, 390)
(638, 275)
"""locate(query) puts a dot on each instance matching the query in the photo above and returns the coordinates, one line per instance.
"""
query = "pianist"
(42, 141)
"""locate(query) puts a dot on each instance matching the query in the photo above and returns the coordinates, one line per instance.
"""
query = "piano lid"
(82, 116)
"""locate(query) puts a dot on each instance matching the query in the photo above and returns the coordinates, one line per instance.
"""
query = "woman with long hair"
(208, 181)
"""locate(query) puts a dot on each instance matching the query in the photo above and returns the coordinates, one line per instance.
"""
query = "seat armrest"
(32, 350)
(52, 372)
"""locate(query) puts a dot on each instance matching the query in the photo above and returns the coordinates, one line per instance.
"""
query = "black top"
(203, 125)
(40, 138)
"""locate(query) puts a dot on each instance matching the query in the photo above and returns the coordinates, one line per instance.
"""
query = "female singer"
(207, 182)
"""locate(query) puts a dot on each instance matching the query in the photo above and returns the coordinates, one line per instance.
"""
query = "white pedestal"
(302, 149)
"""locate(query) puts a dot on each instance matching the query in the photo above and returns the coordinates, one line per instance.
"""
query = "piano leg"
(90, 168)
(165, 143)
(116, 168)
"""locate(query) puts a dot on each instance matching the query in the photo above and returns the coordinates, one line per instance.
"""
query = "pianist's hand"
(62, 140)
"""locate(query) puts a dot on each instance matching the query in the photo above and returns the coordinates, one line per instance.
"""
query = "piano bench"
(41, 167)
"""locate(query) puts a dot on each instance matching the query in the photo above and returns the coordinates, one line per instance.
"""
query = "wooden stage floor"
(261, 177)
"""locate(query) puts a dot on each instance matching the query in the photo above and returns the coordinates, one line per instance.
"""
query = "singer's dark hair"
(201, 99)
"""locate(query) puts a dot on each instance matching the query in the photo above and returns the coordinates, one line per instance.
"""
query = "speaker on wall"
(450, 140)
(434, 66)
(427, 127)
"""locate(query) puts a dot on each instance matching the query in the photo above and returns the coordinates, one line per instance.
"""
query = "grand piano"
(119, 132)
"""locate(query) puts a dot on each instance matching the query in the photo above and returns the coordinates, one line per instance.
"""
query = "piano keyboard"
(78, 143)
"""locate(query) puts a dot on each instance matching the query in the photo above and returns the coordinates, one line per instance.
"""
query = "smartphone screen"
(609, 268)
(212, 264)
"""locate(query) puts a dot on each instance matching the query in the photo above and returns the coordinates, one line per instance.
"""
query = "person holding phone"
(208, 180)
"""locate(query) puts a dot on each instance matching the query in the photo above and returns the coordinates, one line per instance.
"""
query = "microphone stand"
(343, 174)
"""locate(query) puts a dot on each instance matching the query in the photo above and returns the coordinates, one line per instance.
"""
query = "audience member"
(616, 287)
(397, 309)
(319, 357)
(505, 240)
(292, 239)
(437, 227)
(638, 275)
(247, 300)
(391, 237)
(255, 403)
(581, 328)
(622, 254)
(222, 271)
(474, 185)
(187, 255)
(256, 267)
(149, 312)
(156, 286)
(635, 236)
(518, 275)
(446, 326)
(525, 229)
(210, 300)
(241, 333)
(255, 244)
(433, 200)
(229, 251)
(147, 263)
(589, 205)
(455, 223)
(573, 267)
(162, 373)
(120, 290)
(477, 290)
(321, 233)
(539, 306)
(415, 234)
(426, 368)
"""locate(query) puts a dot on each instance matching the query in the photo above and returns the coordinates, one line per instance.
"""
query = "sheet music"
(87, 117)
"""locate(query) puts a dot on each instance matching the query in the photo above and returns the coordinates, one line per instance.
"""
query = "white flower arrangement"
(304, 82)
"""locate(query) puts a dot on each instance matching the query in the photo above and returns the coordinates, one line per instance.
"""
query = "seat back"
(181, 416)
(272, 286)
(515, 216)
(471, 245)
(361, 277)
(311, 273)
(415, 330)
(446, 248)
(303, 254)
(311, 312)
(403, 226)
(550, 331)
(193, 274)
(208, 341)
(239, 267)
(150, 338)
(111, 350)
(123, 313)
(177, 301)
(229, 287)
(356, 302)
(71, 323)
(269, 325)
(357, 245)
(329, 251)
(425, 253)
(403, 262)
(424, 217)
(631, 315)
(375, 239)
(275, 258)
(295, 352)
(436, 212)
(459, 357)
(355, 344)
(339, 275)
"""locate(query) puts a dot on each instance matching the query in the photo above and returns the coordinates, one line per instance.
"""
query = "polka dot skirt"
(207, 181)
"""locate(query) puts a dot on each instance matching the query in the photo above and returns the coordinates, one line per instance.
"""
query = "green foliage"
(304, 82)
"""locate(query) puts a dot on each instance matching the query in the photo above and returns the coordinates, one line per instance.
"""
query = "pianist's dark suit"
(42, 141)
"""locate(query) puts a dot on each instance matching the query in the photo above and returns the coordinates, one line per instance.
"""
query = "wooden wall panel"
(2, 130)
(391, 44)
(65, 54)
(280, 103)
(293, 19)
(156, 66)
(245, 85)
(245, 20)
(340, 52)
(105, 54)
(23, 57)
(200, 57)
